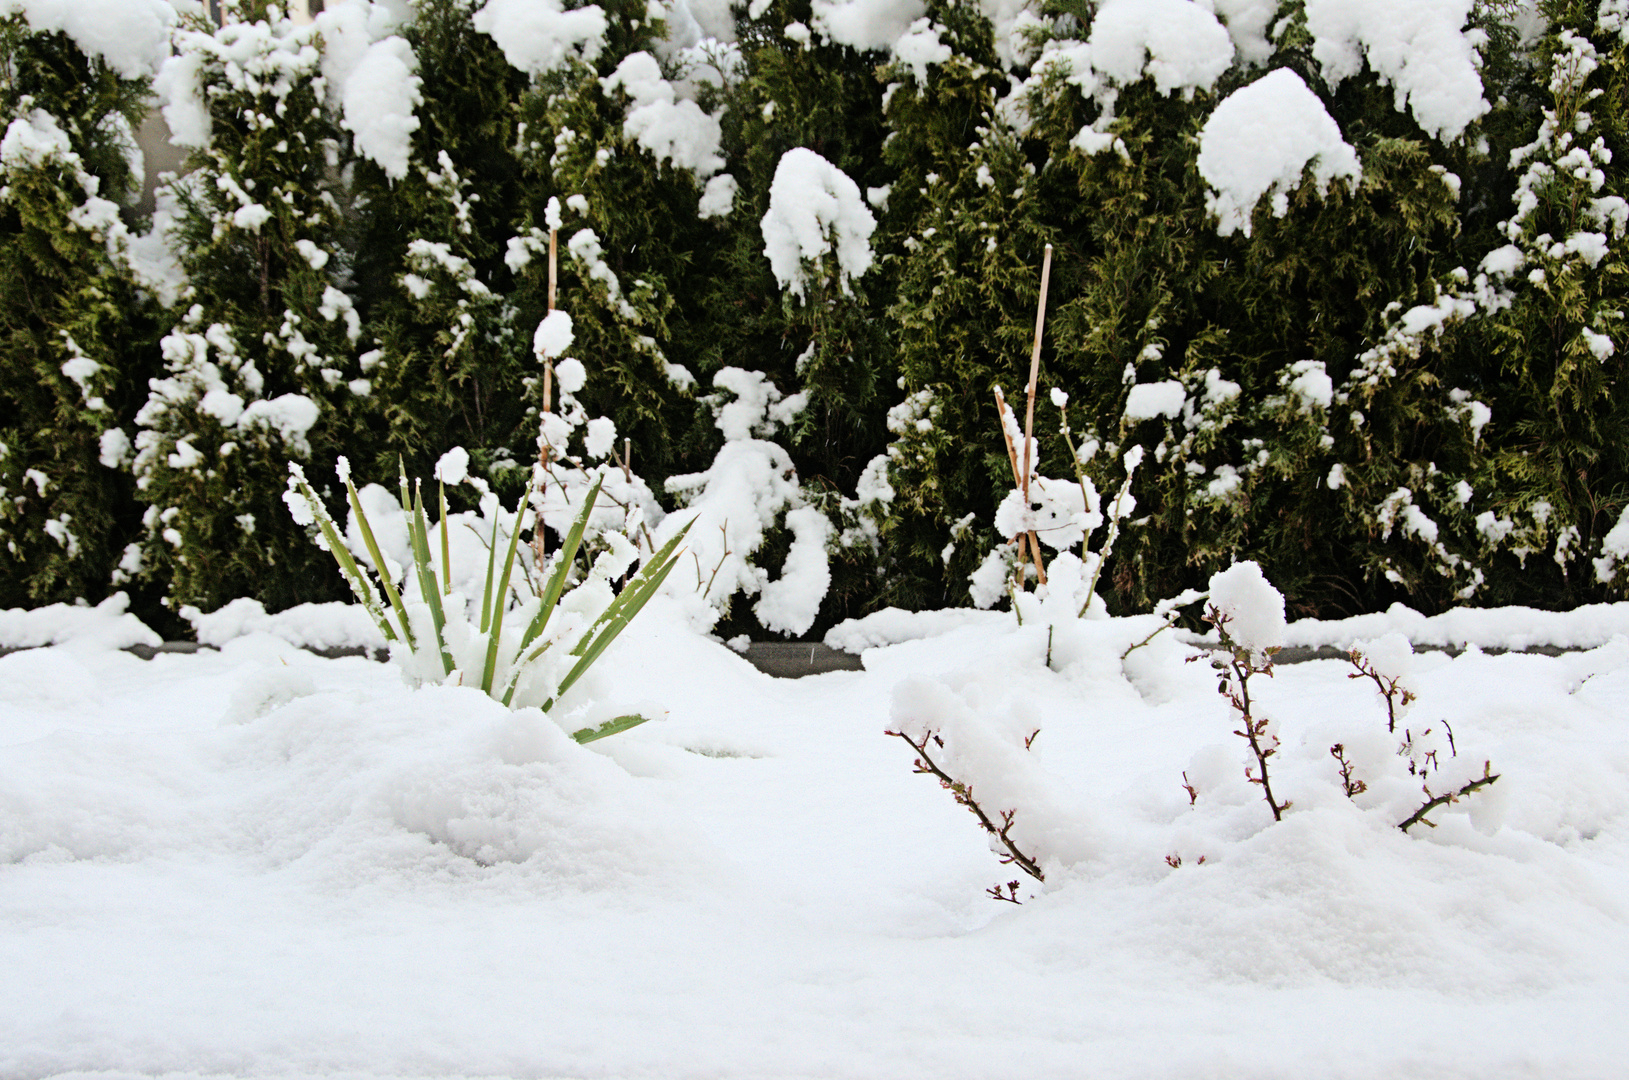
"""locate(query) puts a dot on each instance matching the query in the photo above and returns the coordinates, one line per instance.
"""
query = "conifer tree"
(429, 240)
(72, 321)
(262, 365)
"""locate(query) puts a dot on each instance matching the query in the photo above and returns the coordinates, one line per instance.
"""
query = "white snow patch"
(1260, 140)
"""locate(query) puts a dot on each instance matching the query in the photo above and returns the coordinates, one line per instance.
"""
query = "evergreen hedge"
(1399, 385)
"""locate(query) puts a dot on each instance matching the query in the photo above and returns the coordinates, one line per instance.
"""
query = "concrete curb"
(797, 659)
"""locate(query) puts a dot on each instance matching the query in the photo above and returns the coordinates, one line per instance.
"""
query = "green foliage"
(262, 363)
(72, 323)
(451, 351)
(438, 639)
(1405, 386)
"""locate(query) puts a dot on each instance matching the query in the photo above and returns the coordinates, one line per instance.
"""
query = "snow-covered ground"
(258, 862)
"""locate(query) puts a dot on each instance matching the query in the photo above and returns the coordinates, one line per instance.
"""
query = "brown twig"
(1348, 784)
(964, 796)
(1418, 817)
(1389, 688)
(1235, 686)
(1187, 785)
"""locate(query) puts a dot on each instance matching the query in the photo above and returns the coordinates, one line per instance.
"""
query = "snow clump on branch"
(1260, 140)
(815, 210)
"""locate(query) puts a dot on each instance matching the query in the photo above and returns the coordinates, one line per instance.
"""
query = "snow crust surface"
(257, 862)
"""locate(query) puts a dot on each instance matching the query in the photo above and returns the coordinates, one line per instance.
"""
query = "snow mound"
(108, 625)
(1512, 628)
(333, 625)
(1261, 140)
(1253, 608)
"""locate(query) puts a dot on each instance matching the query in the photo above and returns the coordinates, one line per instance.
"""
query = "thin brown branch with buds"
(1236, 672)
(1418, 817)
(1350, 784)
(964, 796)
(1396, 696)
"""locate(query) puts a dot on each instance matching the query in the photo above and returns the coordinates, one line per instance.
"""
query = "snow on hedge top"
(674, 131)
(379, 97)
(371, 78)
(131, 36)
(814, 208)
(1418, 46)
(1179, 44)
(865, 24)
(1260, 140)
(537, 36)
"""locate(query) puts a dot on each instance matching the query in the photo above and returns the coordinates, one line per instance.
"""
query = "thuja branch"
(964, 795)
(1416, 818)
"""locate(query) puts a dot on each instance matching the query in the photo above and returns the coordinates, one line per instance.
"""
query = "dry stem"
(1235, 686)
(1017, 476)
(1416, 818)
(964, 795)
(1035, 367)
(1388, 686)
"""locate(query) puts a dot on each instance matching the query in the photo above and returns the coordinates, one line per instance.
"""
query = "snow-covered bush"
(750, 489)
(526, 642)
(266, 359)
(72, 321)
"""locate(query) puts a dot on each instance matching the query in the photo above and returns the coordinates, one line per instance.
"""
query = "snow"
(1586, 627)
(259, 862)
(1260, 140)
(674, 131)
(131, 36)
(1418, 46)
(718, 197)
(920, 47)
(865, 24)
(750, 488)
(815, 209)
(1178, 44)
(290, 415)
(553, 336)
(333, 625)
(540, 36)
(1254, 610)
(378, 98)
(33, 140)
(108, 625)
(1148, 400)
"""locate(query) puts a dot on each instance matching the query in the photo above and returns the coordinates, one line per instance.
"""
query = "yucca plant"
(527, 641)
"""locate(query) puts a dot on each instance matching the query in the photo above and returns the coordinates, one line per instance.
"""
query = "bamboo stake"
(554, 235)
(1035, 365)
(539, 538)
(1012, 457)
